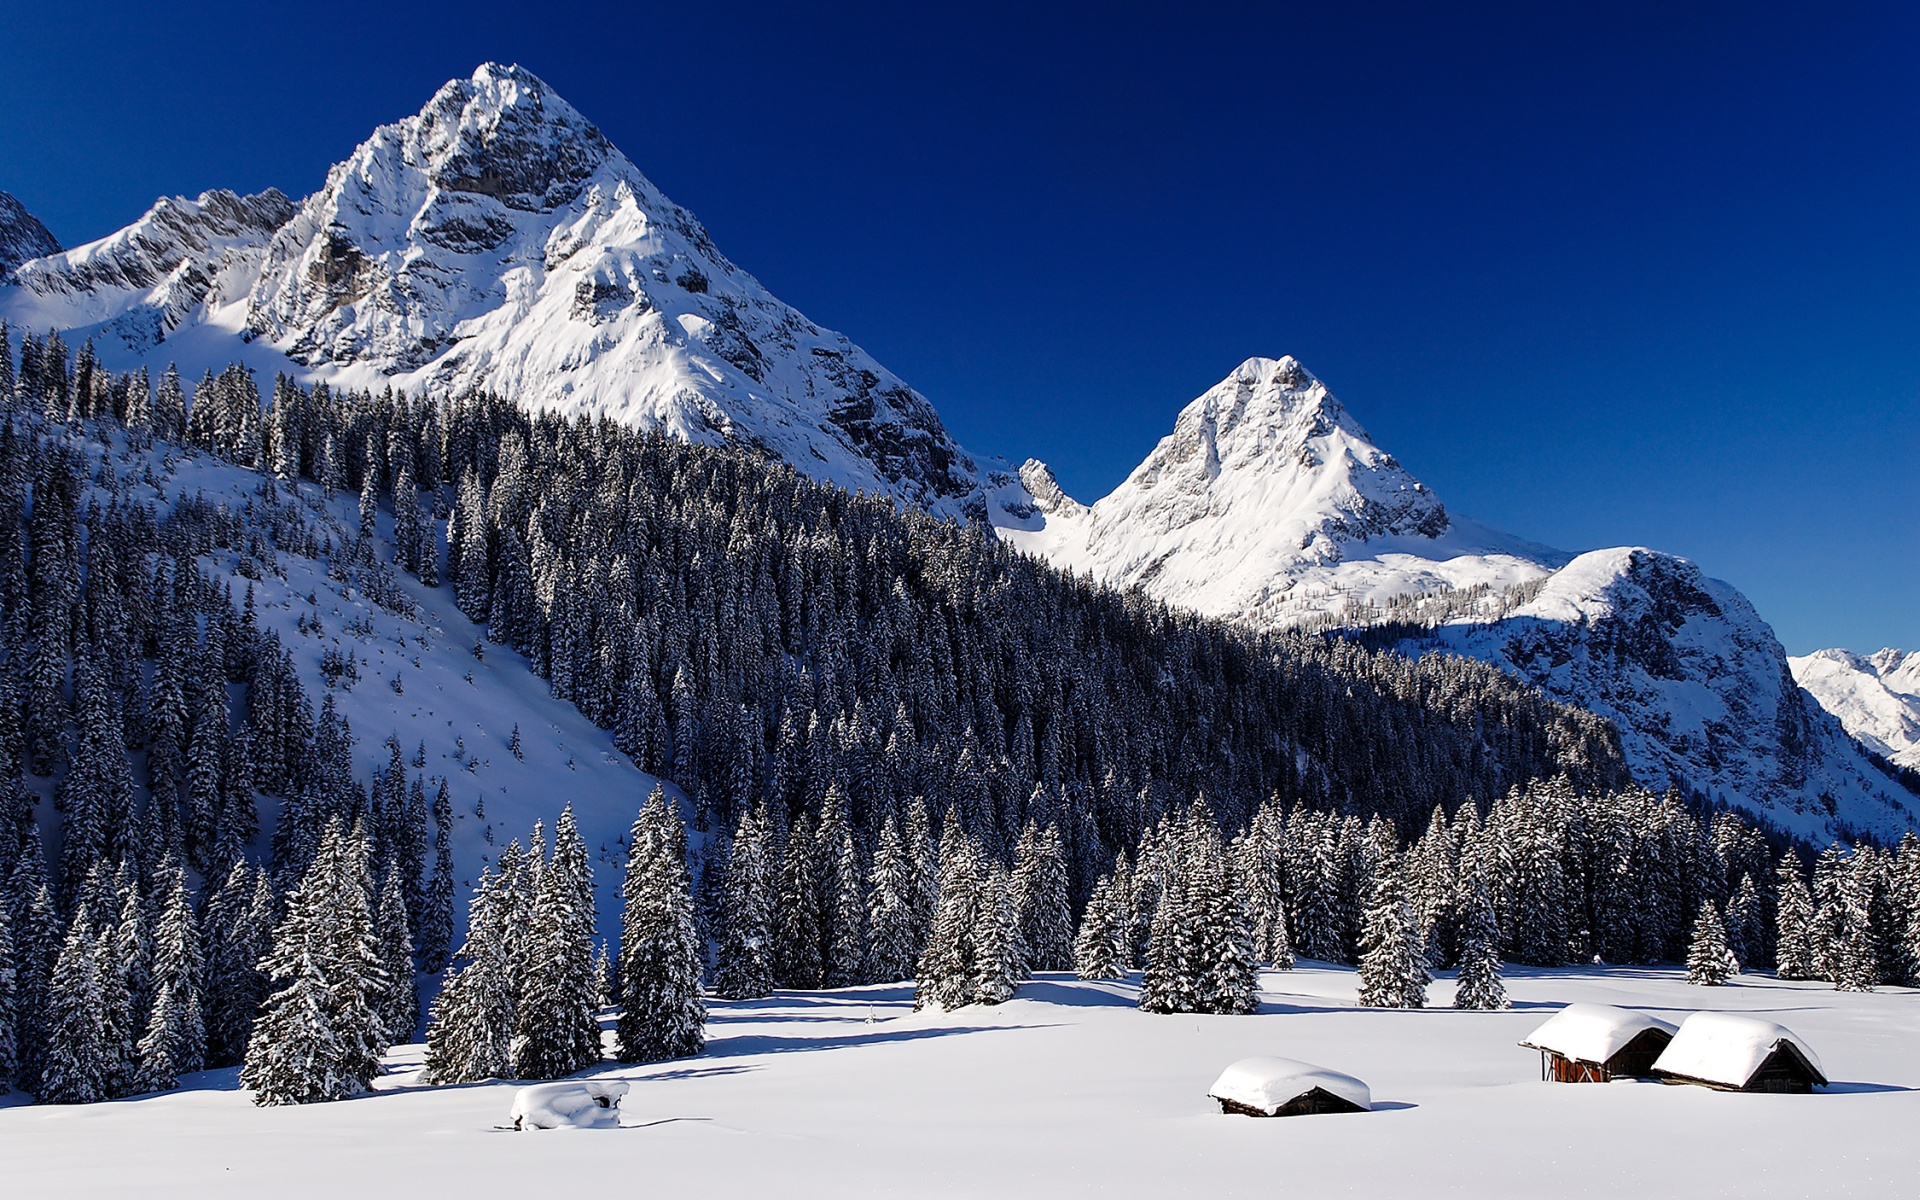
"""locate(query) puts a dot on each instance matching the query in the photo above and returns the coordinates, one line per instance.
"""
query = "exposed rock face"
(22, 236)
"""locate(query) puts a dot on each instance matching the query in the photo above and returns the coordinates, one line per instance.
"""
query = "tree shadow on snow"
(751, 1043)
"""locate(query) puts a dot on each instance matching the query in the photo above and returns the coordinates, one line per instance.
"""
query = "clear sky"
(1601, 274)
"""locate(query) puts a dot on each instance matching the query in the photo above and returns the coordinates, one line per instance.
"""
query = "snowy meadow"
(1067, 1089)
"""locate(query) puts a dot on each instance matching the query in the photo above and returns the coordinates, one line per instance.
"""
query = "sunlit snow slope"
(1877, 697)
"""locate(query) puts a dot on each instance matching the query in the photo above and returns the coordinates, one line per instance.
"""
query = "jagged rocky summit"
(497, 240)
(22, 236)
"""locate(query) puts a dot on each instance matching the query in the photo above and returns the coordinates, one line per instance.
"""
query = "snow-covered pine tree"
(1101, 948)
(1479, 985)
(944, 976)
(9, 972)
(76, 1066)
(1225, 966)
(1168, 984)
(435, 942)
(1040, 899)
(175, 1038)
(1793, 950)
(1709, 961)
(996, 939)
(239, 926)
(798, 930)
(845, 909)
(556, 1027)
(890, 915)
(318, 1036)
(1856, 958)
(399, 1001)
(662, 1013)
(1393, 968)
(470, 1028)
(746, 966)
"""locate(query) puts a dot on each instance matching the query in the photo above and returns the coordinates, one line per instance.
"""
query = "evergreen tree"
(663, 1015)
(1040, 900)
(77, 1068)
(746, 967)
(556, 1027)
(1393, 968)
(799, 955)
(319, 1035)
(399, 1001)
(1104, 943)
(470, 1028)
(1855, 957)
(1709, 961)
(9, 973)
(890, 907)
(175, 1037)
(1793, 953)
(1479, 985)
(239, 928)
(845, 908)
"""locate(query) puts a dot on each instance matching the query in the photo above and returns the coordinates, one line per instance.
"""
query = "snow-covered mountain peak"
(496, 240)
(22, 236)
(1270, 502)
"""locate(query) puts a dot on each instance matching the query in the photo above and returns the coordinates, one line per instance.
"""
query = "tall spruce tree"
(662, 1012)
(1393, 967)
(1709, 961)
(1479, 985)
(556, 1025)
(746, 966)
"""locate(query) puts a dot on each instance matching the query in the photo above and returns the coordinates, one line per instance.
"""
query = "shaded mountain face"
(22, 236)
(497, 240)
(1875, 696)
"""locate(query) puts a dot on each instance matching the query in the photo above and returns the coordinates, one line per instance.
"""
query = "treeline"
(914, 752)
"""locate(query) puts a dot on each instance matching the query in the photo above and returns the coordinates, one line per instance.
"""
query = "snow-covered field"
(1066, 1090)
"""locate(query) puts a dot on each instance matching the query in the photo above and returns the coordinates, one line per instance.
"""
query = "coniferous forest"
(898, 750)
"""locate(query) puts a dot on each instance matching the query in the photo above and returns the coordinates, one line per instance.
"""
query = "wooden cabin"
(1735, 1053)
(1596, 1043)
(1283, 1087)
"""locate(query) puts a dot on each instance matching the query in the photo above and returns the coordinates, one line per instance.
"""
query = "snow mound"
(572, 1104)
(1592, 1033)
(1268, 1083)
(1727, 1048)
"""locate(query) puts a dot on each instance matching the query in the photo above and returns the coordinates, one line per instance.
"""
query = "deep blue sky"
(1600, 274)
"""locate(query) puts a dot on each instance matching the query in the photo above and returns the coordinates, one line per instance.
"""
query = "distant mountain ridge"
(1876, 696)
(497, 240)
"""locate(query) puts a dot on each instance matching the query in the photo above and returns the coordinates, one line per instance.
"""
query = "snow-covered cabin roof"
(1267, 1083)
(1592, 1033)
(1727, 1049)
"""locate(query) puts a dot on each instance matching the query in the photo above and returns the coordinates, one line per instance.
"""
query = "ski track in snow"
(1066, 1090)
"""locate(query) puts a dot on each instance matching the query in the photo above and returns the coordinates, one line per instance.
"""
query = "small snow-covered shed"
(1593, 1043)
(1739, 1054)
(569, 1104)
(1281, 1087)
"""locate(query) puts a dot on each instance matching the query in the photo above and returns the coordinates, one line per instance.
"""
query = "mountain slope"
(1877, 697)
(497, 240)
(1269, 503)
(22, 236)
